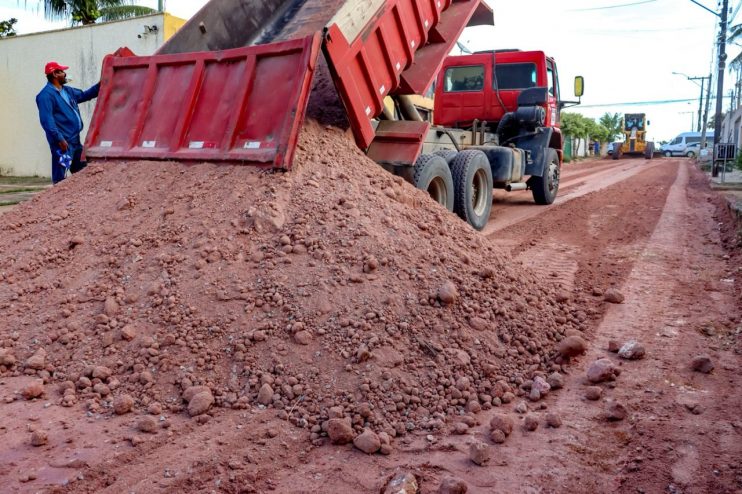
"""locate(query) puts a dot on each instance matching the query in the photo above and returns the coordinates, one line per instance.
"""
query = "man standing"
(60, 118)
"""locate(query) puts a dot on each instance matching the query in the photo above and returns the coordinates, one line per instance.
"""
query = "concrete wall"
(23, 147)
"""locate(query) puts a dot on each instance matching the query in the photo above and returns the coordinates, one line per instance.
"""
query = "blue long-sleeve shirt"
(60, 116)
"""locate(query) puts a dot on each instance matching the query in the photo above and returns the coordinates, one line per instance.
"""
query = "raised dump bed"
(233, 83)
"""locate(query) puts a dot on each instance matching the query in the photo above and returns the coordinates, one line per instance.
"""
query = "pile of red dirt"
(334, 290)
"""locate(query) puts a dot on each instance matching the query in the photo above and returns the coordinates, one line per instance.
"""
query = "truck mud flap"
(244, 105)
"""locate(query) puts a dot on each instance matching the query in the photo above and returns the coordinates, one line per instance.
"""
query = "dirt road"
(651, 230)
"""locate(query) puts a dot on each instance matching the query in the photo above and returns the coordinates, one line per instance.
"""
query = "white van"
(677, 147)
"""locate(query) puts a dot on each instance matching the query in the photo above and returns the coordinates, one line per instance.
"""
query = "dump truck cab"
(485, 86)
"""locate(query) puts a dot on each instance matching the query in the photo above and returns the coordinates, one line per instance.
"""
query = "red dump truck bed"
(232, 85)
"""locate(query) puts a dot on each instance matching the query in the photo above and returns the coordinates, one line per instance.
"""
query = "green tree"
(89, 11)
(613, 123)
(6, 27)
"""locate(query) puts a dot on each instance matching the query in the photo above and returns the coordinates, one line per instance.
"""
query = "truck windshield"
(468, 78)
(515, 75)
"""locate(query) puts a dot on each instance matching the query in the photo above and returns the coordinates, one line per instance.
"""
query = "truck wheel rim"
(437, 190)
(553, 177)
(479, 192)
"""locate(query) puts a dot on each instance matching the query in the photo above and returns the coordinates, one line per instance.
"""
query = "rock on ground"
(450, 485)
(200, 403)
(122, 404)
(613, 296)
(632, 350)
(601, 370)
(702, 363)
(479, 453)
(572, 346)
(402, 483)
(615, 411)
(340, 431)
(367, 441)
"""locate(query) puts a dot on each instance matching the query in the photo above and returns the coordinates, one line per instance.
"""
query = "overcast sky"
(627, 53)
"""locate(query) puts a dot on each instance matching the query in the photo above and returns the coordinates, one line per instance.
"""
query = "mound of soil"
(335, 290)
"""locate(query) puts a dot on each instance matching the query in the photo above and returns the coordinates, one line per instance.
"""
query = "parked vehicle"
(679, 145)
(237, 91)
(692, 150)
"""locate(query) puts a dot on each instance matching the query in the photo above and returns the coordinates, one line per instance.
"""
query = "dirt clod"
(122, 404)
(613, 296)
(340, 431)
(479, 453)
(615, 411)
(450, 485)
(39, 438)
(33, 390)
(572, 346)
(368, 442)
(702, 363)
(601, 370)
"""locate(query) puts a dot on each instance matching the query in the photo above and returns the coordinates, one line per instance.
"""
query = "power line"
(612, 6)
(643, 103)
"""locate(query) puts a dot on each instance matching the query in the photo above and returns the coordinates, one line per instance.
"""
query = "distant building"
(23, 148)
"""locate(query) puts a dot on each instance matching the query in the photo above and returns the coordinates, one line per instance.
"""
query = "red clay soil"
(336, 290)
(204, 328)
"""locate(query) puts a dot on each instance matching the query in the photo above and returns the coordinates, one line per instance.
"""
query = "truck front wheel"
(472, 178)
(433, 175)
(545, 188)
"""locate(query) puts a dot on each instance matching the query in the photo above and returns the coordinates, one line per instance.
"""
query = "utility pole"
(720, 80)
(700, 99)
(706, 114)
(160, 5)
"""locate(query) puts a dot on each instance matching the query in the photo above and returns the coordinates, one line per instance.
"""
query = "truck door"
(552, 112)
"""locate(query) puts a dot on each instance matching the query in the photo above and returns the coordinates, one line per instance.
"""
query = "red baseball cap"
(52, 66)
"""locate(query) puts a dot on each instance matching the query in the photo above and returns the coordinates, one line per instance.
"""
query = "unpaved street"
(653, 231)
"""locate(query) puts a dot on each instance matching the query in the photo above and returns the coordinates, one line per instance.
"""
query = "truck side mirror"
(579, 86)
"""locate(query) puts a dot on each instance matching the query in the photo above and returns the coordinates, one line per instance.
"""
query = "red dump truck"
(233, 85)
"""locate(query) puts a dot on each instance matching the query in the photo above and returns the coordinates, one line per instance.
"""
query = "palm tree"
(89, 11)
(612, 122)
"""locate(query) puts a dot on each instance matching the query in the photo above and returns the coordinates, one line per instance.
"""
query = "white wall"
(23, 147)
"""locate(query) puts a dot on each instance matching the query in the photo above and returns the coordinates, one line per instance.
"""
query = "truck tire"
(432, 174)
(472, 179)
(446, 154)
(616, 152)
(545, 188)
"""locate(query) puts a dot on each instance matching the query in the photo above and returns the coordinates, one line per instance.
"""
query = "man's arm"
(44, 103)
(83, 96)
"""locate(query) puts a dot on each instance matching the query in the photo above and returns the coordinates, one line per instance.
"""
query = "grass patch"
(21, 189)
(9, 203)
(8, 180)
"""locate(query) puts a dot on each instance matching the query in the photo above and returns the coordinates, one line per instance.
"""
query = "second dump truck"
(234, 83)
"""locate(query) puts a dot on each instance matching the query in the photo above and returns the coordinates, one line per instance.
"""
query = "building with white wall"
(23, 147)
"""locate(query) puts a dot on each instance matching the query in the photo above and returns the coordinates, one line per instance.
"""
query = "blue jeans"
(75, 151)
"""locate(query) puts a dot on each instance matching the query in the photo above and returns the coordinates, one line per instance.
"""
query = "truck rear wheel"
(545, 188)
(472, 178)
(447, 154)
(433, 175)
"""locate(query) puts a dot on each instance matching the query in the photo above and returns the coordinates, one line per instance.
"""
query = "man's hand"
(63, 145)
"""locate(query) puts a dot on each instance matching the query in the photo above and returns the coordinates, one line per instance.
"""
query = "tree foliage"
(613, 123)
(6, 27)
(577, 126)
(89, 11)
